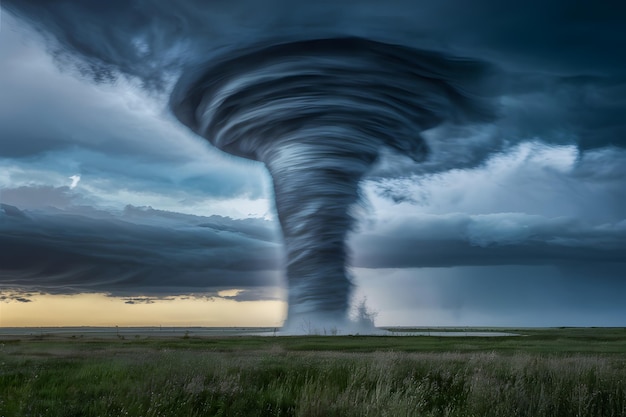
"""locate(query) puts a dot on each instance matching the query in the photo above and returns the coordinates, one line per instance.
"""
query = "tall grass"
(147, 382)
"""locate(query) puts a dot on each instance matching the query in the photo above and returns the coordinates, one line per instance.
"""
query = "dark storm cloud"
(496, 239)
(558, 36)
(17, 297)
(142, 300)
(44, 112)
(559, 58)
(52, 121)
(562, 77)
(133, 36)
(136, 254)
(150, 252)
(559, 77)
(584, 109)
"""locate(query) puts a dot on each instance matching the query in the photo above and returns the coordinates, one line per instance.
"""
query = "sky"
(114, 213)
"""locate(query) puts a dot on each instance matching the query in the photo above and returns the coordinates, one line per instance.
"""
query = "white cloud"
(532, 178)
(75, 180)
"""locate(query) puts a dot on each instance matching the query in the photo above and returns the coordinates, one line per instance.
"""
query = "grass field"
(544, 372)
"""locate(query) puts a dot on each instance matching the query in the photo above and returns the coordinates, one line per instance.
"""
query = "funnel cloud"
(317, 113)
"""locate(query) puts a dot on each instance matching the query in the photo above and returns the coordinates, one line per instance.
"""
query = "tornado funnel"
(317, 113)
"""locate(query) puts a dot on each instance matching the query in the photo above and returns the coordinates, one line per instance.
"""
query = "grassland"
(544, 372)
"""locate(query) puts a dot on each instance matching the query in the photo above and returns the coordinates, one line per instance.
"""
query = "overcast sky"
(520, 221)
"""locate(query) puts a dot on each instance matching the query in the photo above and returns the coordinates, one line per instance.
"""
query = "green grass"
(546, 372)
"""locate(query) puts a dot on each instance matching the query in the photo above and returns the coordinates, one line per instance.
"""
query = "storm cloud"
(539, 186)
(491, 239)
(138, 252)
(560, 74)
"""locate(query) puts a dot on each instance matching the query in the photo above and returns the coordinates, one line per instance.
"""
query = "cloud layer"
(138, 252)
(561, 76)
(534, 199)
(491, 239)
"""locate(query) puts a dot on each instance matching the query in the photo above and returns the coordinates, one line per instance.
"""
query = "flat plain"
(540, 372)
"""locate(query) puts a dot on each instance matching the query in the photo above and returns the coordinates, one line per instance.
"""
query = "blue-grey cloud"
(44, 110)
(38, 196)
(17, 296)
(140, 252)
(148, 252)
(495, 239)
(558, 59)
(555, 75)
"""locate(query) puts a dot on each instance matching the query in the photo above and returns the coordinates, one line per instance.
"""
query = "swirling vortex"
(317, 112)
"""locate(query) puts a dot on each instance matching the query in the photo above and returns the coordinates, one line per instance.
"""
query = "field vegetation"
(543, 372)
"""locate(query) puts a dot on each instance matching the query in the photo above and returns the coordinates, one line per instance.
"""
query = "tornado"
(317, 113)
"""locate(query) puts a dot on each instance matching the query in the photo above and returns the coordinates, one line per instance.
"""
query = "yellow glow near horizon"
(101, 310)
